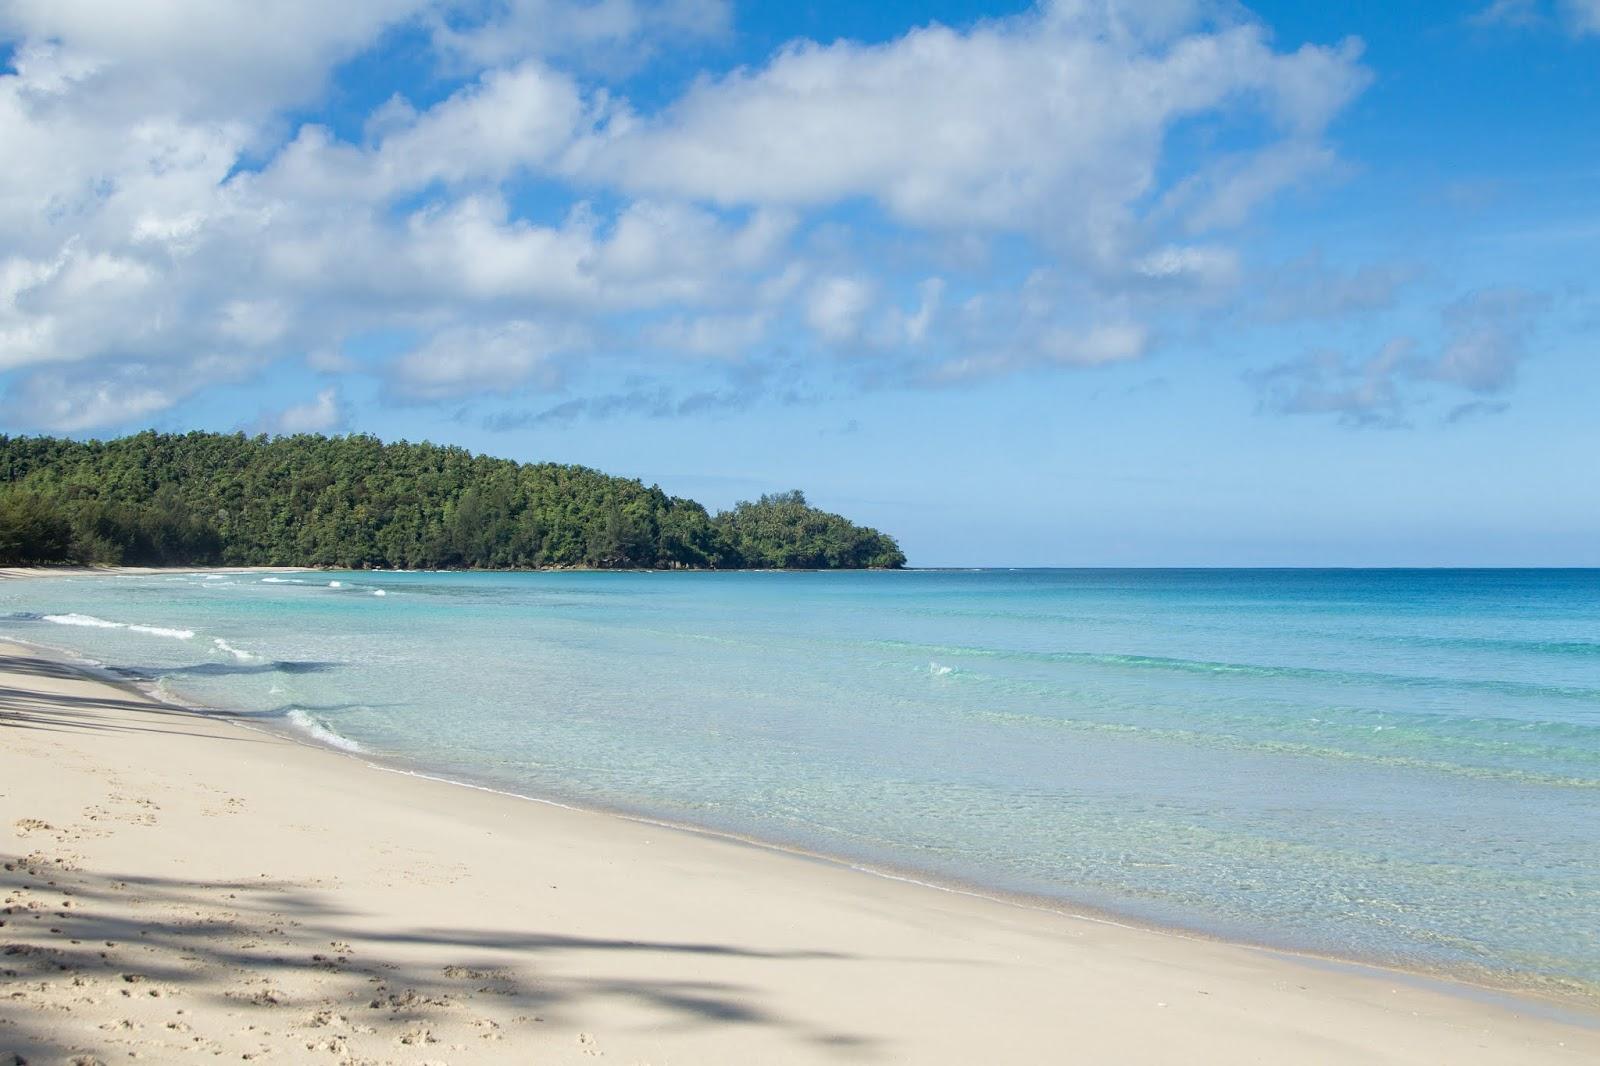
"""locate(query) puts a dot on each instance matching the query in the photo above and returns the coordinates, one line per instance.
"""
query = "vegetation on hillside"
(308, 500)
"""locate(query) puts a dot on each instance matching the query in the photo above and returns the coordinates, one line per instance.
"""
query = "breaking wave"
(91, 621)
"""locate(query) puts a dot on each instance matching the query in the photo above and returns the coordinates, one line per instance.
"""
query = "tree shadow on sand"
(163, 966)
(21, 708)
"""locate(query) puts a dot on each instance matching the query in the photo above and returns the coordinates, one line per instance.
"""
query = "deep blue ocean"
(1394, 766)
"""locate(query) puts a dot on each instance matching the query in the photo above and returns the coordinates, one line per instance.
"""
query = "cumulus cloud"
(912, 325)
(723, 336)
(836, 307)
(78, 400)
(227, 62)
(323, 414)
(166, 225)
(466, 360)
(149, 247)
(1052, 122)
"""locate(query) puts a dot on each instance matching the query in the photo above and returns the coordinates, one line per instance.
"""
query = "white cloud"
(506, 122)
(256, 323)
(1203, 266)
(917, 324)
(153, 176)
(323, 414)
(77, 400)
(722, 336)
(1224, 193)
(836, 307)
(179, 256)
(213, 58)
(1111, 342)
(70, 406)
(464, 360)
(1051, 123)
(509, 119)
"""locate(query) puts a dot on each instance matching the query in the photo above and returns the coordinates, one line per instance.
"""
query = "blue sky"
(1074, 283)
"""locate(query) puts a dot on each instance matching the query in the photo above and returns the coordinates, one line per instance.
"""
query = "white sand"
(107, 571)
(180, 888)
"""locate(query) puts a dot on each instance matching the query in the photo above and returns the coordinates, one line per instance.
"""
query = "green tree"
(354, 501)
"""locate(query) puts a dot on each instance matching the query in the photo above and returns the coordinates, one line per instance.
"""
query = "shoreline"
(1546, 996)
(1028, 962)
(25, 573)
(1568, 1006)
(1561, 999)
(1563, 1003)
(101, 570)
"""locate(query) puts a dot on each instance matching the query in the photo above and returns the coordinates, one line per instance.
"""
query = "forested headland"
(198, 499)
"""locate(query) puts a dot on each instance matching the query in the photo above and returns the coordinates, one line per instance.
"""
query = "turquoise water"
(1396, 766)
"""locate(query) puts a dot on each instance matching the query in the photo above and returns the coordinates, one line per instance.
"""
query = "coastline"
(1546, 998)
(655, 943)
(22, 573)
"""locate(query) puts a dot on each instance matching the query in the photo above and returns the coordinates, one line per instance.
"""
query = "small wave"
(379, 592)
(82, 620)
(1291, 747)
(162, 631)
(336, 584)
(1323, 674)
(938, 670)
(238, 653)
(92, 622)
(320, 732)
(281, 581)
(215, 577)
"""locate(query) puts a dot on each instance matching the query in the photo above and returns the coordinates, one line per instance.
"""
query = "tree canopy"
(355, 502)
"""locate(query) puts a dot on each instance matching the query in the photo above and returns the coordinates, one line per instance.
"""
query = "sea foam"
(163, 631)
(321, 733)
(238, 653)
(81, 620)
(91, 621)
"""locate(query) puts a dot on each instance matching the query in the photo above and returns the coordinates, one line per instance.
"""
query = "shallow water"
(1398, 766)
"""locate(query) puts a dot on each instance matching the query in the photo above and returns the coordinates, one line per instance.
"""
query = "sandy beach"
(179, 885)
(25, 572)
